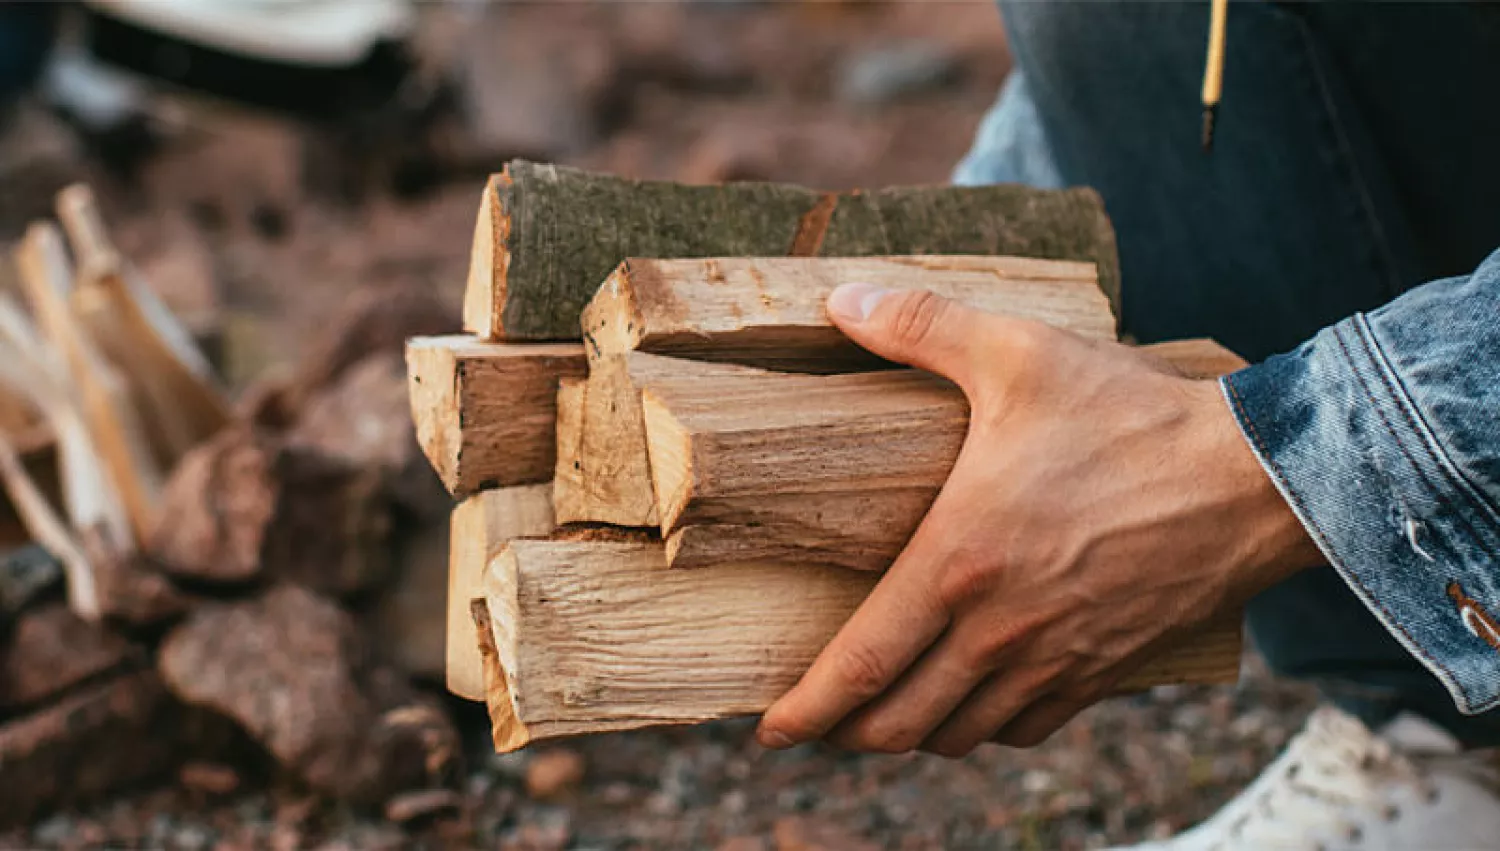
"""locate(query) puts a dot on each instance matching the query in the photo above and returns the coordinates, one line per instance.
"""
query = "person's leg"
(1293, 221)
(26, 31)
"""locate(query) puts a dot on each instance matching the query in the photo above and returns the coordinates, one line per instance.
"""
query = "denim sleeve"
(1383, 433)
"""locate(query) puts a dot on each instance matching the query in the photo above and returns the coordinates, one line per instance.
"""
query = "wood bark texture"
(770, 311)
(603, 474)
(480, 528)
(547, 235)
(832, 470)
(588, 637)
(486, 412)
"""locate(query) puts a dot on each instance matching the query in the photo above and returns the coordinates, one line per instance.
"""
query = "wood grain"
(832, 470)
(480, 527)
(588, 637)
(486, 412)
(546, 236)
(770, 311)
(603, 474)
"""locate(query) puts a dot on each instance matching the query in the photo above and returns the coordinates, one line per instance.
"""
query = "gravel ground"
(1128, 769)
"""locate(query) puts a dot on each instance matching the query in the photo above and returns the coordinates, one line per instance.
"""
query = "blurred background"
(296, 180)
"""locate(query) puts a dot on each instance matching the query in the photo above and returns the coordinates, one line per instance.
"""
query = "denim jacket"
(1383, 433)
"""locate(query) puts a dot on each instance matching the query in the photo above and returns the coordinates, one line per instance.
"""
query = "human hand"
(1101, 508)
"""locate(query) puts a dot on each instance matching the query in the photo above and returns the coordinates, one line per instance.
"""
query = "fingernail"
(773, 739)
(855, 302)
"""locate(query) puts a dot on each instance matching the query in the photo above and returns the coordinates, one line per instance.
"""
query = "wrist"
(1265, 541)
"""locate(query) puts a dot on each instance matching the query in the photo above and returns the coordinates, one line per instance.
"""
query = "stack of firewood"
(728, 474)
(171, 563)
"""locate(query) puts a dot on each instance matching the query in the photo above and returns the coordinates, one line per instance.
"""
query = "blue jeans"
(26, 31)
(1343, 174)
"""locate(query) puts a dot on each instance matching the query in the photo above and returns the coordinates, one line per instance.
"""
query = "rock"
(881, 75)
(744, 843)
(26, 574)
(291, 668)
(215, 509)
(553, 773)
(804, 833)
(209, 778)
(100, 739)
(245, 506)
(364, 417)
(410, 806)
(372, 320)
(52, 650)
(409, 622)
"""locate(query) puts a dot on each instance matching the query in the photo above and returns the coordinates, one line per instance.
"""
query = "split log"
(547, 235)
(364, 417)
(170, 378)
(104, 738)
(52, 650)
(247, 506)
(603, 474)
(589, 637)
(771, 311)
(832, 470)
(113, 422)
(486, 412)
(481, 527)
(293, 670)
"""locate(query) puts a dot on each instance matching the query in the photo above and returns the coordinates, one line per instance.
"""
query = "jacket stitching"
(1418, 423)
(1323, 544)
(1433, 487)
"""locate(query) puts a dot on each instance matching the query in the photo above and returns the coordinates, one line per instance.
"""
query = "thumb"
(914, 327)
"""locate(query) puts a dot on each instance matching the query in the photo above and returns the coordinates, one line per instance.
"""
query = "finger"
(907, 713)
(991, 706)
(914, 327)
(891, 628)
(1037, 722)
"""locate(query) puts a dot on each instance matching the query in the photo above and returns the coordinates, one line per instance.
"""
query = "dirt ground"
(285, 219)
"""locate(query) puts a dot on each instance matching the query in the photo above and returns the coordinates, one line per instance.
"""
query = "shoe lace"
(1334, 777)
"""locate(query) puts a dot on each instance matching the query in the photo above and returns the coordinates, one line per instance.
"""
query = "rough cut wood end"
(485, 412)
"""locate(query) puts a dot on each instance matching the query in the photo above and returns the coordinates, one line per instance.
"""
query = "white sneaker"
(1340, 787)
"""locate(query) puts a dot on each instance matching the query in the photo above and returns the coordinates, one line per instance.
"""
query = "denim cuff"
(1336, 427)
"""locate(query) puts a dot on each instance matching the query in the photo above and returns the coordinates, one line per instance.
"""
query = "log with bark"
(486, 412)
(547, 235)
(832, 470)
(770, 311)
(584, 637)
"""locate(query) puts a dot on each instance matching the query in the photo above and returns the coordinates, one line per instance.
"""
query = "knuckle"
(874, 735)
(917, 314)
(861, 671)
(964, 580)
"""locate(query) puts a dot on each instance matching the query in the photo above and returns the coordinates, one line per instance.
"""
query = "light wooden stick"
(771, 311)
(112, 421)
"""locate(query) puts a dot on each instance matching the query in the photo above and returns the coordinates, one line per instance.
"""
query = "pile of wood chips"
(186, 579)
(729, 474)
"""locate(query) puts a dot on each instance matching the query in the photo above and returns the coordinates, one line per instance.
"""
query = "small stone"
(54, 831)
(803, 833)
(410, 806)
(553, 773)
(1036, 781)
(743, 843)
(193, 837)
(209, 778)
(885, 74)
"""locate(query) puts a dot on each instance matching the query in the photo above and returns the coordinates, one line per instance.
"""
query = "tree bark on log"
(546, 235)
(585, 637)
(770, 312)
